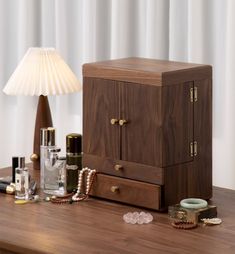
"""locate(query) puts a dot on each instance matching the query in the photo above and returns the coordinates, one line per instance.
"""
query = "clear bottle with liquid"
(54, 173)
(47, 141)
(21, 180)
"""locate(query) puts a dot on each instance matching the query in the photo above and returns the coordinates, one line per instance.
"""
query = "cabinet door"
(160, 124)
(141, 136)
(100, 105)
(202, 166)
(177, 123)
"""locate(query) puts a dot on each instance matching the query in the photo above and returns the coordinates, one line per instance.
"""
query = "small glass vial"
(21, 180)
(54, 173)
(47, 140)
(73, 160)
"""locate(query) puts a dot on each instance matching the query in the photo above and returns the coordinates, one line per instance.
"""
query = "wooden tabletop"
(96, 226)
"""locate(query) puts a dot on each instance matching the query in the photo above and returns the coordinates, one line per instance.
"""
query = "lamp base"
(43, 120)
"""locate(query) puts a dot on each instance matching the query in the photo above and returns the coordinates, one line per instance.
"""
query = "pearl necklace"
(90, 176)
(78, 196)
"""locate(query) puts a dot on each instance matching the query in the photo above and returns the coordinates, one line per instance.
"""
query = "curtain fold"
(200, 31)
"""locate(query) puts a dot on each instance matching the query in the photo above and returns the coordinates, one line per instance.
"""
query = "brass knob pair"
(121, 122)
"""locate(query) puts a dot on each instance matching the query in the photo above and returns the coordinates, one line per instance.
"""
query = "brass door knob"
(114, 189)
(122, 122)
(113, 121)
(118, 167)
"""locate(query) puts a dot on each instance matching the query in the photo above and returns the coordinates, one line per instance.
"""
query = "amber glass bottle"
(73, 160)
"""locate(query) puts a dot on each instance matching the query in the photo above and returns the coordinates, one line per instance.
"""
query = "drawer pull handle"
(122, 122)
(118, 167)
(114, 189)
(113, 121)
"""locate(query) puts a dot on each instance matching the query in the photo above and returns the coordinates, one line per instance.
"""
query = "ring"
(193, 203)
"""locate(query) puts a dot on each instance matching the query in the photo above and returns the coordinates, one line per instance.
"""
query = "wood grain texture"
(96, 226)
(200, 176)
(176, 183)
(147, 71)
(129, 191)
(177, 124)
(131, 170)
(160, 124)
(194, 179)
(100, 105)
(162, 121)
(141, 137)
(43, 120)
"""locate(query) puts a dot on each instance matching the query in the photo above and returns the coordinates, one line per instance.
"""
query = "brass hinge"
(193, 94)
(193, 148)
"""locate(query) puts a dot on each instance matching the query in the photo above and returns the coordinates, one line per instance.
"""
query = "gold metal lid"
(21, 162)
(10, 189)
(47, 136)
(74, 143)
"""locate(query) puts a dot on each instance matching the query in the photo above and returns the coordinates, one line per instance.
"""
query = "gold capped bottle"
(73, 160)
(47, 140)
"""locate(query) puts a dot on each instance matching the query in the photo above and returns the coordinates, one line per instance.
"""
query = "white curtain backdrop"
(200, 31)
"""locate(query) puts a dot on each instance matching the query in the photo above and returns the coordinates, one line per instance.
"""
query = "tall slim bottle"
(73, 160)
(47, 141)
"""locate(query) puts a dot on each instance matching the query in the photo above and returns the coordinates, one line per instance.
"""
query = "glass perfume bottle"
(21, 180)
(47, 140)
(54, 173)
(73, 160)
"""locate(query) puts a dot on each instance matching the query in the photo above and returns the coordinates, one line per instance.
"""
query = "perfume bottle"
(21, 180)
(73, 160)
(54, 173)
(47, 140)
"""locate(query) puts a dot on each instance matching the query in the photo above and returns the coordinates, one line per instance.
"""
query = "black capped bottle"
(21, 180)
(73, 160)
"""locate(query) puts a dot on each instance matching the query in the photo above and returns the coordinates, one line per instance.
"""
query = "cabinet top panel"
(147, 71)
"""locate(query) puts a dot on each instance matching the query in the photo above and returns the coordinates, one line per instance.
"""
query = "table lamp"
(41, 72)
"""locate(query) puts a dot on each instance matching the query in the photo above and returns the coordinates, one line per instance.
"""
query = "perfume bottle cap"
(74, 143)
(10, 189)
(21, 162)
(14, 166)
(47, 136)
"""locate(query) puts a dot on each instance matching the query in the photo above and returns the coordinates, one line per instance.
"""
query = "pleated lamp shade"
(42, 71)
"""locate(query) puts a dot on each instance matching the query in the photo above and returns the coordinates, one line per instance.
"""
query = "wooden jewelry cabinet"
(147, 130)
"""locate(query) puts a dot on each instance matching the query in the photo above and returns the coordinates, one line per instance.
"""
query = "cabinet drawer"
(124, 169)
(127, 191)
